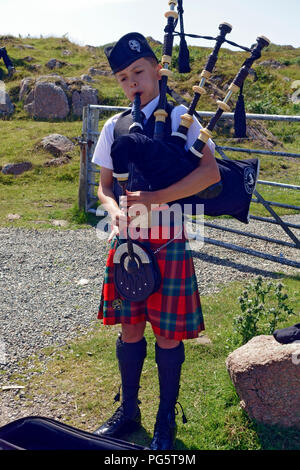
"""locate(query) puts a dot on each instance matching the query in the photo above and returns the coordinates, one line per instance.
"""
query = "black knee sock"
(169, 362)
(131, 359)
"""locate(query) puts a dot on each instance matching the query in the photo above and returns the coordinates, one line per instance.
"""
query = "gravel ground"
(50, 284)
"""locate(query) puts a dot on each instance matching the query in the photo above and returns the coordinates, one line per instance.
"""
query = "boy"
(174, 311)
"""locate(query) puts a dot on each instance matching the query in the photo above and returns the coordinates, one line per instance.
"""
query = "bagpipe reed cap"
(226, 26)
(264, 40)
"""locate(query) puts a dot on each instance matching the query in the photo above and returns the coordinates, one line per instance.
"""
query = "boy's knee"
(165, 343)
(133, 333)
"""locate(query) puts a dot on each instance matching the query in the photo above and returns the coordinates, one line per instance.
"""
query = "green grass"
(86, 372)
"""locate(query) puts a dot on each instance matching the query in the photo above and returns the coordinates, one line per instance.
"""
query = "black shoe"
(119, 424)
(164, 433)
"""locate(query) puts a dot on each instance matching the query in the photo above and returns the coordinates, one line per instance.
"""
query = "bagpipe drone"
(230, 196)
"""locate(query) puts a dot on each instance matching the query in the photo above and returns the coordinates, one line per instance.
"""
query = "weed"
(263, 306)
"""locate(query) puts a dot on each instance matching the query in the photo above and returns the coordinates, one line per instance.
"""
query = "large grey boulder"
(52, 96)
(49, 101)
(266, 375)
(87, 95)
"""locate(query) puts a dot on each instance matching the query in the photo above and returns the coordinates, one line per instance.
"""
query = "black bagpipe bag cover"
(41, 433)
(238, 177)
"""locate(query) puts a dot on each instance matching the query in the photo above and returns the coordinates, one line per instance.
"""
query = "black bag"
(288, 335)
(39, 433)
(136, 282)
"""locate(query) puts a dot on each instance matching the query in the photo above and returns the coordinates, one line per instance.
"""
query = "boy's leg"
(131, 351)
(169, 356)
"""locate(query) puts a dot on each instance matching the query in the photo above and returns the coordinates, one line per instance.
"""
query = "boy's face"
(142, 76)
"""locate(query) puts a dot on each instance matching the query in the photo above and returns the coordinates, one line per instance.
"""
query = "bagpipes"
(232, 195)
(136, 274)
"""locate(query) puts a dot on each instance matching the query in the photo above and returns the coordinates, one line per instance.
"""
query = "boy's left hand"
(146, 198)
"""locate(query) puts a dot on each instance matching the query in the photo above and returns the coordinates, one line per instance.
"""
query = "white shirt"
(102, 151)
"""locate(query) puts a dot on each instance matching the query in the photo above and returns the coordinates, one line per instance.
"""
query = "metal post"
(82, 190)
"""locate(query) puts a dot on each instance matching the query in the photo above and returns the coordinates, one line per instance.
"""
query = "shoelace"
(184, 418)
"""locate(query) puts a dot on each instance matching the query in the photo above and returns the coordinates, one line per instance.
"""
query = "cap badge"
(134, 45)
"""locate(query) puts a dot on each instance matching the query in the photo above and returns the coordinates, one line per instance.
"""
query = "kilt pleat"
(174, 310)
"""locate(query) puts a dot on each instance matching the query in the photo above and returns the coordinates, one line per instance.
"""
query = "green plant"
(263, 306)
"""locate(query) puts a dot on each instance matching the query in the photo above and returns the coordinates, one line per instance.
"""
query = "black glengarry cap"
(128, 49)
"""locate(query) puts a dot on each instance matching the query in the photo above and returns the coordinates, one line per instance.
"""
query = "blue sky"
(97, 22)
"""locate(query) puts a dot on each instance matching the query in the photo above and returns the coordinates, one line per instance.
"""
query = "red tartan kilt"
(174, 311)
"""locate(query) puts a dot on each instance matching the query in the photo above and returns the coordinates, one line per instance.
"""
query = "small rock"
(13, 387)
(95, 71)
(58, 161)
(55, 64)
(13, 216)
(57, 144)
(272, 63)
(86, 78)
(295, 85)
(295, 98)
(203, 339)
(59, 223)
(16, 168)
(28, 58)
(82, 282)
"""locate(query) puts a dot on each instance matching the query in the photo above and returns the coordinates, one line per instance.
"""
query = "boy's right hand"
(120, 222)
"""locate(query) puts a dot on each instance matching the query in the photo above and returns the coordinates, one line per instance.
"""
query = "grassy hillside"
(44, 193)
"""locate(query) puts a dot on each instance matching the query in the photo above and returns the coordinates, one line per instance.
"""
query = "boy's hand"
(120, 222)
(114, 231)
(146, 198)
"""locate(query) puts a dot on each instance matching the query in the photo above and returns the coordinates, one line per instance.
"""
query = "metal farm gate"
(89, 178)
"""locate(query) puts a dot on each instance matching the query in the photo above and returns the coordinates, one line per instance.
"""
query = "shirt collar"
(150, 107)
